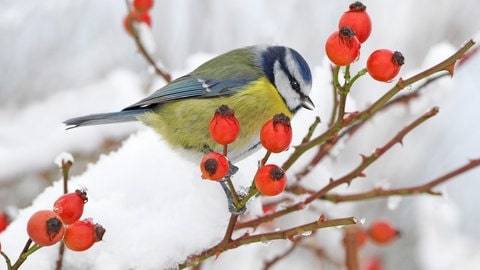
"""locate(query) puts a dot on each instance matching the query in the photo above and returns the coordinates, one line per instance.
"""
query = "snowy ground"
(63, 59)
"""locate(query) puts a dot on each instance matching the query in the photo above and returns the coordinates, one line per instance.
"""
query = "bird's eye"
(295, 85)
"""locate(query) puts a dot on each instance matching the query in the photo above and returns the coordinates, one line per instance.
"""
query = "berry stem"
(234, 193)
(61, 252)
(311, 129)
(359, 74)
(335, 86)
(346, 75)
(166, 76)
(65, 170)
(265, 158)
(232, 196)
(7, 260)
(27, 251)
(65, 173)
(252, 192)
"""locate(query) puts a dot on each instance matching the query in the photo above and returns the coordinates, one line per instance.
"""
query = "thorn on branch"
(450, 69)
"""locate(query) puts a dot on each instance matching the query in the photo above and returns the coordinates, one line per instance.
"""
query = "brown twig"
(165, 75)
(351, 247)
(368, 160)
(424, 188)
(230, 228)
(265, 237)
(324, 148)
(270, 263)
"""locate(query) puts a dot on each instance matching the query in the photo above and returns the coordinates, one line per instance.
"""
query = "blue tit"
(257, 82)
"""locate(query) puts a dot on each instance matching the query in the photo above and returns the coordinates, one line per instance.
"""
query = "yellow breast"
(184, 123)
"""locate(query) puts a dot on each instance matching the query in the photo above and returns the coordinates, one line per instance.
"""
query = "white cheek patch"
(294, 68)
(282, 82)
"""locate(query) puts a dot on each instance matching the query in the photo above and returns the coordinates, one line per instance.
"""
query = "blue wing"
(195, 86)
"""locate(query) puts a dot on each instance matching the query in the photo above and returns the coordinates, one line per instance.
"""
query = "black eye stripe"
(293, 82)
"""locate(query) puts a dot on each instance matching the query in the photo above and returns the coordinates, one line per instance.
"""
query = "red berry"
(383, 65)
(382, 232)
(362, 238)
(4, 220)
(343, 47)
(270, 180)
(269, 208)
(373, 263)
(70, 206)
(82, 234)
(143, 5)
(45, 228)
(214, 166)
(135, 17)
(224, 126)
(357, 18)
(276, 133)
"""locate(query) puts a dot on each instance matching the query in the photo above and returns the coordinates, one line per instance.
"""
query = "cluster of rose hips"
(138, 14)
(47, 227)
(275, 136)
(343, 46)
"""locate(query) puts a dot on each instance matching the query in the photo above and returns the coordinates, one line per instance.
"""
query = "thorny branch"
(448, 65)
(339, 122)
(346, 179)
(415, 190)
(265, 237)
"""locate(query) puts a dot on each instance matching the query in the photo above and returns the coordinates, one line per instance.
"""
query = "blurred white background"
(61, 59)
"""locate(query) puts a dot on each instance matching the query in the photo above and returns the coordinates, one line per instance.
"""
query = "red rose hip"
(383, 65)
(343, 47)
(358, 19)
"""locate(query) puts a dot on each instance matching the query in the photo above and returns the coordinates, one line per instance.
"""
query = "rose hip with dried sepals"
(343, 47)
(45, 228)
(70, 206)
(358, 20)
(270, 180)
(382, 232)
(276, 133)
(224, 126)
(82, 234)
(383, 64)
(214, 166)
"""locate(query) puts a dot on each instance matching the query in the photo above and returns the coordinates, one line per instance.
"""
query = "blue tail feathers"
(104, 118)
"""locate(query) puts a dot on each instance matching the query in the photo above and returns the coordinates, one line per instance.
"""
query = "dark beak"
(307, 103)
